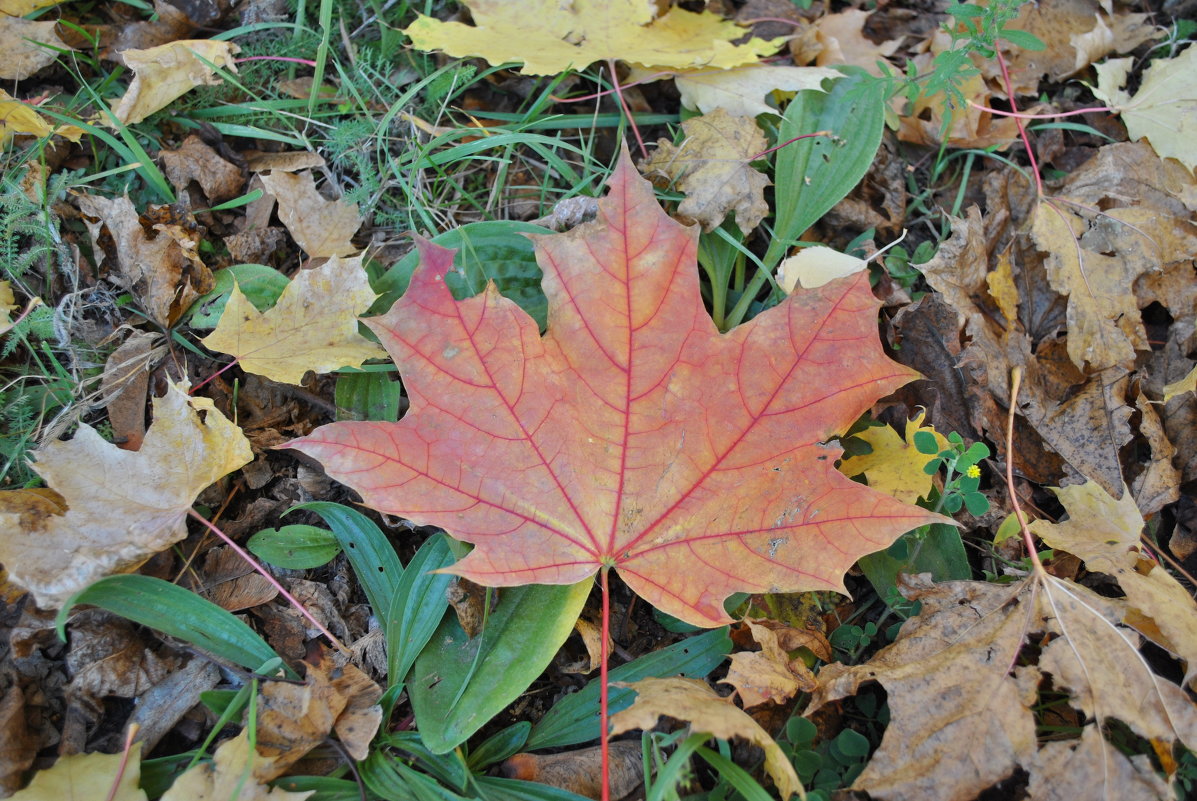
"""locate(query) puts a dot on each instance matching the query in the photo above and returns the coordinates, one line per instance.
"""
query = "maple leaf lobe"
(633, 433)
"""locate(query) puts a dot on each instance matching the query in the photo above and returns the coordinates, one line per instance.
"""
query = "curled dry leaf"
(86, 777)
(814, 266)
(843, 41)
(577, 34)
(632, 435)
(313, 326)
(194, 160)
(165, 73)
(26, 46)
(231, 774)
(321, 227)
(711, 166)
(706, 711)
(770, 674)
(961, 699)
(115, 508)
(17, 118)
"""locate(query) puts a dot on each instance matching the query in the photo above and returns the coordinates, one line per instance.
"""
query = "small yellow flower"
(973, 472)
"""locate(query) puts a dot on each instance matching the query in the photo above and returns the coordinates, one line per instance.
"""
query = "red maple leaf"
(633, 434)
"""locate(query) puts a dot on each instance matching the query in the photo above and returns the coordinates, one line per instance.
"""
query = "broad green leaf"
(940, 553)
(367, 396)
(485, 251)
(459, 683)
(575, 718)
(369, 551)
(260, 284)
(417, 606)
(499, 746)
(295, 547)
(812, 175)
(495, 788)
(175, 611)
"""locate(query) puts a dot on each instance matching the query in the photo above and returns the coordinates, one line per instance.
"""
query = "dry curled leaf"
(115, 508)
(711, 166)
(165, 73)
(740, 91)
(313, 326)
(26, 46)
(231, 774)
(770, 674)
(632, 435)
(321, 227)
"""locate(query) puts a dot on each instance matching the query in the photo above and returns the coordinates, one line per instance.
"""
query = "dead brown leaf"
(26, 46)
(843, 41)
(770, 674)
(321, 227)
(164, 73)
(233, 773)
(711, 166)
(581, 771)
(196, 161)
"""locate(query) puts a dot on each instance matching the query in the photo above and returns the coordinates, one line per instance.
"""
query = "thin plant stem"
(209, 378)
(1022, 131)
(1015, 383)
(249, 560)
(788, 142)
(605, 657)
(1023, 116)
(623, 103)
(307, 61)
(120, 770)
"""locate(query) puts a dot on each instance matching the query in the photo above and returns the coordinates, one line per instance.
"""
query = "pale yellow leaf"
(815, 266)
(712, 167)
(1186, 384)
(1164, 110)
(8, 304)
(550, 36)
(895, 466)
(321, 227)
(843, 40)
(741, 91)
(165, 73)
(230, 775)
(770, 674)
(115, 508)
(88, 777)
(18, 118)
(313, 326)
(1105, 533)
(19, 8)
(26, 46)
(694, 701)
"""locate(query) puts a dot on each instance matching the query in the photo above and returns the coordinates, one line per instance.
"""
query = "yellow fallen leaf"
(578, 33)
(230, 775)
(694, 701)
(711, 166)
(121, 507)
(165, 73)
(1186, 384)
(313, 326)
(8, 303)
(18, 118)
(1164, 110)
(740, 91)
(19, 8)
(26, 46)
(895, 466)
(1105, 534)
(86, 777)
(770, 674)
(815, 266)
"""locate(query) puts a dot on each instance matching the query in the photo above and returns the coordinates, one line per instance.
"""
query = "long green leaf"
(370, 552)
(417, 606)
(486, 673)
(178, 612)
(575, 718)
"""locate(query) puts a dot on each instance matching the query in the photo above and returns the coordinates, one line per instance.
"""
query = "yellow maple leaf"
(112, 509)
(312, 327)
(895, 466)
(321, 227)
(21, 118)
(550, 36)
(229, 775)
(1186, 384)
(165, 73)
(1164, 110)
(85, 777)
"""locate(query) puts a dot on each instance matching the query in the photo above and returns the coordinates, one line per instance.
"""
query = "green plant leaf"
(940, 553)
(495, 788)
(457, 683)
(812, 175)
(369, 551)
(417, 606)
(260, 284)
(493, 250)
(175, 611)
(499, 746)
(295, 547)
(367, 396)
(575, 718)
(1022, 39)
(925, 443)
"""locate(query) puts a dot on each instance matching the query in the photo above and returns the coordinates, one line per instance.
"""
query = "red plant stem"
(605, 656)
(120, 771)
(1028, 541)
(209, 378)
(249, 560)
(656, 76)
(309, 62)
(623, 103)
(1022, 131)
(789, 142)
(1057, 115)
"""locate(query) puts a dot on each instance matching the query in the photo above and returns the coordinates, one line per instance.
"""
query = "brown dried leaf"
(842, 38)
(228, 776)
(712, 167)
(195, 161)
(770, 674)
(321, 227)
(581, 771)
